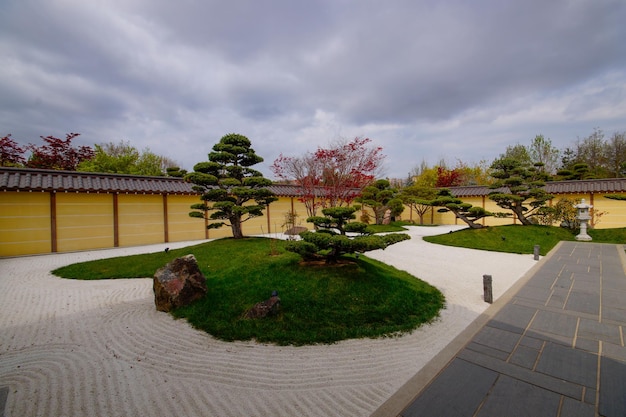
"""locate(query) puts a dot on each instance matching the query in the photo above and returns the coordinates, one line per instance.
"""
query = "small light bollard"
(536, 252)
(487, 289)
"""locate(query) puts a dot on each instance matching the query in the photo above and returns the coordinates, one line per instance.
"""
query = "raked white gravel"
(99, 348)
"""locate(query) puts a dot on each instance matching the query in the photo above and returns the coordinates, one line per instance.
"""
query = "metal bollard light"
(536, 252)
(487, 289)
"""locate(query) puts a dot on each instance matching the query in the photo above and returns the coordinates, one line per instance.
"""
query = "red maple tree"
(11, 154)
(58, 153)
(334, 176)
(448, 178)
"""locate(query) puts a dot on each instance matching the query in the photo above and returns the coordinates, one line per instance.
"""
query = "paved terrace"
(552, 346)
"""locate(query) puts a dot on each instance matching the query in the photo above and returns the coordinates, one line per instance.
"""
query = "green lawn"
(391, 227)
(521, 239)
(319, 304)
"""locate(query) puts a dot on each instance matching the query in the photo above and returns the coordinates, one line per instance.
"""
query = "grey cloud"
(409, 74)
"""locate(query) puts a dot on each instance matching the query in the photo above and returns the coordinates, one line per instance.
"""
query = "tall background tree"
(615, 155)
(123, 158)
(441, 176)
(542, 153)
(231, 191)
(339, 171)
(594, 157)
(590, 151)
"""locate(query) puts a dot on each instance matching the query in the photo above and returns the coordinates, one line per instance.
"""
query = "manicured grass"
(319, 304)
(521, 239)
(617, 235)
(391, 227)
(511, 238)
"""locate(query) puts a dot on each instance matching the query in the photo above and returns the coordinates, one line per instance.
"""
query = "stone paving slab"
(554, 346)
(466, 382)
(528, 400)
(613, 387)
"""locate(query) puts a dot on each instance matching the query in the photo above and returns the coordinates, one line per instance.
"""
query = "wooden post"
(487, 288)
(53, 222)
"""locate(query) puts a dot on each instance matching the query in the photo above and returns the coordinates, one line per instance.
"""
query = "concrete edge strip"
(414, 386)
(621, 250)
(4, 395)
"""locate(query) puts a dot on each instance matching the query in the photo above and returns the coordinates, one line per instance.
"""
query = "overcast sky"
(424, 79)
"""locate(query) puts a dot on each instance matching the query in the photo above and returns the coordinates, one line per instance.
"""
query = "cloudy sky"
(425, 79)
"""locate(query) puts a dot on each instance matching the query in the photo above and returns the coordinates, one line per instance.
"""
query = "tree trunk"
(520, 215)
(235, 224)
(469, 222)
(332, 257)
(380, 215)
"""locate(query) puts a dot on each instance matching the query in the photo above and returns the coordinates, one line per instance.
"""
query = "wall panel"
(84, 221)
(25, 226)
(181, 227)
(141, 219)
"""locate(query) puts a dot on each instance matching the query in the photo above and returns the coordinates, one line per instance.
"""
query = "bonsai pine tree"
(524, 183)
(337, 220)
(231, 191)
(331, 241)
(419, 199)
(381, 197)
(464, 211)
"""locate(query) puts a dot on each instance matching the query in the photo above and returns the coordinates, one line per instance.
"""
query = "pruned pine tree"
(464, 211)
(231, 191)
(519, 188)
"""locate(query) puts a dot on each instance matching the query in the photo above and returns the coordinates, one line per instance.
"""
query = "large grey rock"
(178, 283)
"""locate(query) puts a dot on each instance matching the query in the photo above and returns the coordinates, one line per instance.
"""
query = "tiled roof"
(473, 191)
(607, 185)
(291, 190)
(20, 179)
(26, 179)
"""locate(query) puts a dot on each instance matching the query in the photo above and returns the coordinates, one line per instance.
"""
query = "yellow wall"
(277, 215)
(25, 225)
(614, 211)
(84, 221)
(181, 227)
(141, 220)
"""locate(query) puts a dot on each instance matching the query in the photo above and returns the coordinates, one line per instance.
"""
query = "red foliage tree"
(58, 153)
(302, 171)
(448, 178)
(11, 154)
(346, 168)
(337, 173)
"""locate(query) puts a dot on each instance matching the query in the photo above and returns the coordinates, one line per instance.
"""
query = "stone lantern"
(584, 217)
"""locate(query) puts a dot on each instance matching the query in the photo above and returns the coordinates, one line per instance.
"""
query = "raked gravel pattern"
(100, 348)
